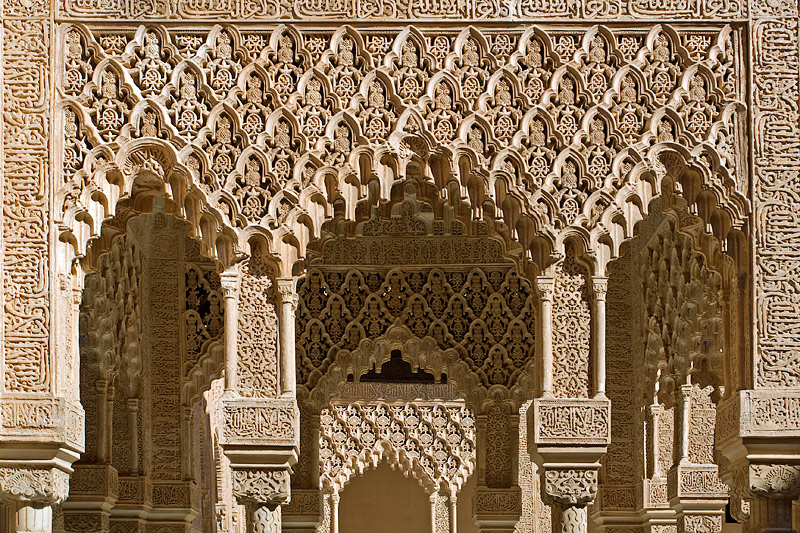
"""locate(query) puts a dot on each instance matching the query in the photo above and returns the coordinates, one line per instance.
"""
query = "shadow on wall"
(383, 500)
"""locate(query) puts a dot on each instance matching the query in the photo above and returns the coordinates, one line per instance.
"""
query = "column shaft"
(571, 519)
(599, 288)
(102, 422)
(770, 515)
(32, 518)
(230, 288)
(133, 424)
(262, 519)
(545, 287)
(288, 367)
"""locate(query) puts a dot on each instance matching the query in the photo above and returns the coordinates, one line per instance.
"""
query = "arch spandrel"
(570, 196)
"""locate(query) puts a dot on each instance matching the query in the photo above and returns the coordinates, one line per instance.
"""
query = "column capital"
(31, 484)
(287, 291)
(773, 480)
(570, 486)
(261, 486)
(599, 287)
(544, 287)
(230, 280)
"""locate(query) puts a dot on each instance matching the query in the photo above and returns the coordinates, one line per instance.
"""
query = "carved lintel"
(696, 481)
(42, 485)
(495, 506)
(701, 522)
(43, 419)
(93, 480)
(260, 422)
(261, 486)
(570, 486)
(305, 505)
(573, 421)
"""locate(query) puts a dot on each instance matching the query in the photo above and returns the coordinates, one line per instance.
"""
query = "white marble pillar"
(32, 517)
(544, 286)
(654, 412)
(335, 513)
(287, 289)
(102, 422)
(230, 291)
(684, 417)
(599, 290)
(133, 424)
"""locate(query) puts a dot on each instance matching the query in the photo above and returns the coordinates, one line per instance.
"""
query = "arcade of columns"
(253, 248)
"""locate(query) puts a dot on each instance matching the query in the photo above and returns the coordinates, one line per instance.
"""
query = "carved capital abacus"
(261, 486)
(33, 485)
(570, 486)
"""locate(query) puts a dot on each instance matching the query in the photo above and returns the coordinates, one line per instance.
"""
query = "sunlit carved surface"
(538, 256)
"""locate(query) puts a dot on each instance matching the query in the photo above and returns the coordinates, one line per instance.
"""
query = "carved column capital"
(229, 280)
(599, 287)
(570, 486)
(39, 485)
(781, 481)
(544, 287)
(287, 291)
(261, 486)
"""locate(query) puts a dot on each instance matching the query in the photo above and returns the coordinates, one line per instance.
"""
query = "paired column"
(569, 436)
(695, 491)
(261, 433)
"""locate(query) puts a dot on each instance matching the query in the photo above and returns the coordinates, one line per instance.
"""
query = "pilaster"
(41, 434)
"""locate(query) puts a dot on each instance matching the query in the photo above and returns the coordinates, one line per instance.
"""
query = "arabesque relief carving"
(538, 255)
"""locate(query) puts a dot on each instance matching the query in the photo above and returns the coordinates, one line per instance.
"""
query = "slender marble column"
(654, 412)
(544, 285)
(289, 300)
(453, 513)
(230, 290)
(684, 396)
(102, 422)
(335, 513)
(599, 289)
(133, 424)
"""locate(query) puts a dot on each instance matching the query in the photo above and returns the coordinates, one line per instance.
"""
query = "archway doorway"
(383, 500)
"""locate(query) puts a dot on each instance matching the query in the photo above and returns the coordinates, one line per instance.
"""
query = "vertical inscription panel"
(26, 196)
(776, 138)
